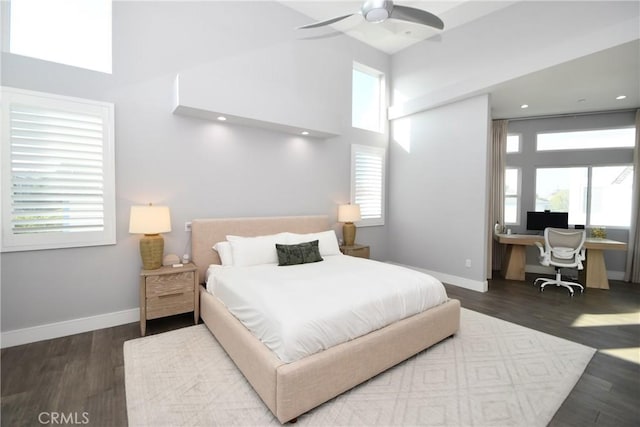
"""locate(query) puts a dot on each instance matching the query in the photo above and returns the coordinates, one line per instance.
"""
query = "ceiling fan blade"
(418, 16)
(327, 22)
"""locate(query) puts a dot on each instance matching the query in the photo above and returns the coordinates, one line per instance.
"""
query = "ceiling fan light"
(376, 10)
(377, 15)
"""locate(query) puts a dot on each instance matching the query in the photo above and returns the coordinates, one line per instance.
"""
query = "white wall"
(198, 168)
(437, 191)
(517, 40)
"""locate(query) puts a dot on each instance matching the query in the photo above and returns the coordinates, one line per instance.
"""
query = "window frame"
(590, 195)
(382, 110)
(519, 150)
(517, 196)
(382, 153)
(556, 150)
(14, 242)
(589, 190)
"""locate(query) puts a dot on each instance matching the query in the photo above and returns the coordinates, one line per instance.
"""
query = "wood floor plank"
(85, 372)
(608, 394)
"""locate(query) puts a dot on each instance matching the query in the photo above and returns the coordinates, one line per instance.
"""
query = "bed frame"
(291, 389)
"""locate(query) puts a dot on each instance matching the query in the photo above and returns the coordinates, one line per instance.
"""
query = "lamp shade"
(149, 219)
(348, 213)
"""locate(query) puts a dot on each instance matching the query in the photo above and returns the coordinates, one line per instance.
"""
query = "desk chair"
(562, 249)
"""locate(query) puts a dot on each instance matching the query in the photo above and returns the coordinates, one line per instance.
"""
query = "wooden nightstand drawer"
(169, 284)
(360, 251)
(167, 291)
(166, 305)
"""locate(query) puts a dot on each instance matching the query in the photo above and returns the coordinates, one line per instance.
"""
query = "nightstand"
(168, 291)
(360, 251)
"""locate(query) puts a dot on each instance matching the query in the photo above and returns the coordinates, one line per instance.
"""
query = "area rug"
(491, 373)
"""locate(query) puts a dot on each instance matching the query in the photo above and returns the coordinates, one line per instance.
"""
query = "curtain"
(632, 271)
(498, 154)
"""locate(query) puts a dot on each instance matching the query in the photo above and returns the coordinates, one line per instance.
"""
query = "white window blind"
(58, 180)
(367, 183)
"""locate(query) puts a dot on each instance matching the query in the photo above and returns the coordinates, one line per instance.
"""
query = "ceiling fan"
(376, 11)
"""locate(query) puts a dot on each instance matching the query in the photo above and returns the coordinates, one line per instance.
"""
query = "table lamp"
(150, 221)
(349, 214)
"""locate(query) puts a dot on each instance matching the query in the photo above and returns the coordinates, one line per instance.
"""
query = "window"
(584, 140)
(367, 98)
(610, 201)
(367, 183)
(58, 183)
(593, 195)
(72, 32)
(513, 143)
(563, 190)
(511, 195)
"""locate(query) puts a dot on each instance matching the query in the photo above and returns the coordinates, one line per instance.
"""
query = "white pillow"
(258, 250)
(327, 241)
(224, 250)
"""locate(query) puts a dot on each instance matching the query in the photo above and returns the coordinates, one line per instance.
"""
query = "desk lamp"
(150, 221)
(349, 214)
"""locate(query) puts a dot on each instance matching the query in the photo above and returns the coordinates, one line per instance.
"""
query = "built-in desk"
(594, 274)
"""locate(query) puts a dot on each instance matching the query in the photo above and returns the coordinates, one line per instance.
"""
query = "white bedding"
(299, 310)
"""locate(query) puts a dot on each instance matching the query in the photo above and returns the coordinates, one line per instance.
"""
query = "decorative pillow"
(302, 253)
(327, 241)
(247, 251)
(224, 250)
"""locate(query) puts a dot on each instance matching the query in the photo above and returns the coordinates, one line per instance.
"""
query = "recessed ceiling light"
(621, 97)
(304, 132)
(524, 106)
(222, 118)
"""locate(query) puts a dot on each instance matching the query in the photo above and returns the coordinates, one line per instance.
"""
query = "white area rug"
(492, 373)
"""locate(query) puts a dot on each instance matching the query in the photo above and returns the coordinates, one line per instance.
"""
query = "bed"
(291, 389)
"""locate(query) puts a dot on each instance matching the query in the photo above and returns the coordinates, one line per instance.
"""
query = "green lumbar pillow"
(302, 253)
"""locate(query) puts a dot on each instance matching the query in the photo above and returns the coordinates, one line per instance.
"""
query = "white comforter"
(303, 309)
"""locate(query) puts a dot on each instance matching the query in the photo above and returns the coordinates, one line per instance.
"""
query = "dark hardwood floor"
(82, 376)
(608, 393)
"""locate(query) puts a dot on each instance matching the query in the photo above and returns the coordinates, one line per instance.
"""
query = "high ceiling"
(392, 36)
(590, 83)
(586, 84)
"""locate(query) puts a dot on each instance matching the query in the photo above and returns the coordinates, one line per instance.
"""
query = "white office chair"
(562, 249)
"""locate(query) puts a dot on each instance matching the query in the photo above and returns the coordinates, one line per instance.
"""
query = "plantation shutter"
(368, 164)
(59, 172)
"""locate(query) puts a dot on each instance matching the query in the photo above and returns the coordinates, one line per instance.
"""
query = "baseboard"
(68, 327)
(541, 269)
(462, 282)
(92, 323)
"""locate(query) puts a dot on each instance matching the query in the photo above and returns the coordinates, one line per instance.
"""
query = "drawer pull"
(170, 295)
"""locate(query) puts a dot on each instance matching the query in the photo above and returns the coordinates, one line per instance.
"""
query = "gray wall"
(528, 160)
(434, 78)
(438, 164)
(197, 168)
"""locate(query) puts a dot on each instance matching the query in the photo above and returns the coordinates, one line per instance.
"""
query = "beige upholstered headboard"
(207, 232)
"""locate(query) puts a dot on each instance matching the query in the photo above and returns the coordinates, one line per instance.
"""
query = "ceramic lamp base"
(151, 251)
(349, 233)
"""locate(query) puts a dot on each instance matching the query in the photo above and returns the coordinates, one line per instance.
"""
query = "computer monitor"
(538, 221)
